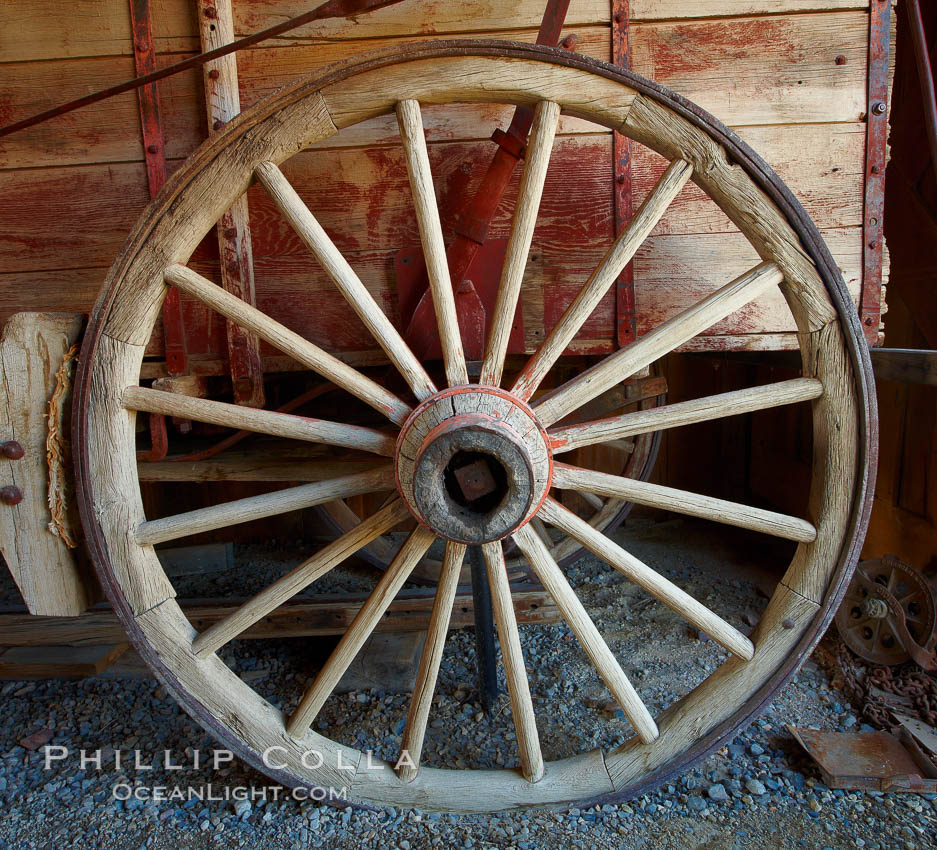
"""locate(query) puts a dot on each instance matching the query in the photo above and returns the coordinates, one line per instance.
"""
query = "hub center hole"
(476, 480)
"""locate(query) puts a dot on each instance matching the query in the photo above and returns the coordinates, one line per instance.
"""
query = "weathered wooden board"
(324, 615)
(772, 70)
(102, 27)
(765, 67)
(32, 349)
(58, 662)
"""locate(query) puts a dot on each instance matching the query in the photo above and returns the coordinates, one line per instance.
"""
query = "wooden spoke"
(418, 714)
(654, 583)
(537, 158)
(682, 502)
(289, 342)
(261, 421)
(360, 629)
(522, 707)
(618, 366)
(410, 122)
(269, 504)
(607, 272)
(593, 501)
(549, 573)
(284, 588)
(542, 532)
(337, 267)
(569, 437)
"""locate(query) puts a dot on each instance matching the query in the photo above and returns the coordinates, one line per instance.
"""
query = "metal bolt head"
(213, 74)
(11, 450)
(878, 107)
(11, 495)
(218, 124)
(840, 60)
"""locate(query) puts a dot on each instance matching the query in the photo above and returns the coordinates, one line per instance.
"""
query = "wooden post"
(223, 101)
(32, 350)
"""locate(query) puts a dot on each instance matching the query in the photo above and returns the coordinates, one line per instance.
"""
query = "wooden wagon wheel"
(510, 431)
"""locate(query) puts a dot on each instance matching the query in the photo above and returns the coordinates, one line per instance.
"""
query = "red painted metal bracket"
(472, 222)
(870, 299)
(154, 152)
(621, 174)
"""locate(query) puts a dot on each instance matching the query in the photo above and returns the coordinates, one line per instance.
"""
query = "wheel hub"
(473, 464)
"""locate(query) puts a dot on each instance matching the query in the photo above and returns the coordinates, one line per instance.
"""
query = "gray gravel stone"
(717, 793)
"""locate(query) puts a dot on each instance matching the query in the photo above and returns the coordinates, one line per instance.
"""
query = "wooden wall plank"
(102, 27)
(110, 131)
(362, 197)
(49, 29)
(772, 70)
(649, 10)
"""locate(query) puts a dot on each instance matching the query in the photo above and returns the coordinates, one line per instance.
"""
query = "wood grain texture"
(422, 698)
(434, 246)
(260, 421)
(746, 205)
(117, 506)
(594, 289)
(223, 104)
(32, 349)
(659, 587)
(304, 617)
(371, 612)
(101, 27)
(657, 343)
(790, 73)
(337, 267)
(512, 656)
(526, 208)
(734, 403)
(593, 643)
(682, 502)
(289, 342)
(273, 596)
(151, 532)
(835, 446)
(251, 466)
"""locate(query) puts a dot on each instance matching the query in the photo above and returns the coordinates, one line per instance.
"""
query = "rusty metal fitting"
(11, 450)
(872, 606)
(878, 107)
(11, 495)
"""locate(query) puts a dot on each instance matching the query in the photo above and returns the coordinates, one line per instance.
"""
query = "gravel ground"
(760, 791)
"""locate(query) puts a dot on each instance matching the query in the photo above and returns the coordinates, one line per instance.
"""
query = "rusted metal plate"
(866, 761)
(870, 305)
(416, 305)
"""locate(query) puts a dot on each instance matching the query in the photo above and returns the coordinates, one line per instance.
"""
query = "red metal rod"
(331, 9)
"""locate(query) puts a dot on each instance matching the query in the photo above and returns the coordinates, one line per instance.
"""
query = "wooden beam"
(906, 365)
(313, 617)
